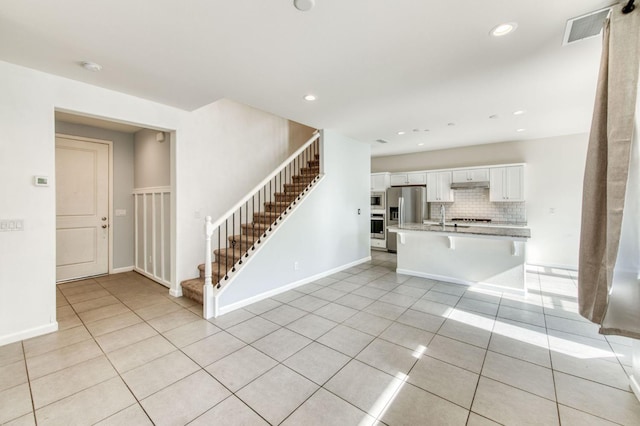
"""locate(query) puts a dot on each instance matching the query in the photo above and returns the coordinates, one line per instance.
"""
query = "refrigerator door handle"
(401, 218)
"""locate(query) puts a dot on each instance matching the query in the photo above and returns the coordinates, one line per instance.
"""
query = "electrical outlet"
(150, 261)
(296, 266)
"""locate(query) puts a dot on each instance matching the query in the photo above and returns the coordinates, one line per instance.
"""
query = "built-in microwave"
(377, 200)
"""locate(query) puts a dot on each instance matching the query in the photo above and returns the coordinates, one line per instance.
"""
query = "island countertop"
(489, 231)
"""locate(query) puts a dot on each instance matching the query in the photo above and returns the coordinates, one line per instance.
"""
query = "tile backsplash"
(474, 203)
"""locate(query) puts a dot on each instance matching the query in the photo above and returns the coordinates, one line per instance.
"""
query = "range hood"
(470, 185)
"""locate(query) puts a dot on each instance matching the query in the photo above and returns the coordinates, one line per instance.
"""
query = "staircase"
(244, 228)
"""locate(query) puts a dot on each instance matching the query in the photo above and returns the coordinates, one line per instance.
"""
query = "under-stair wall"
(328, 231)
(231, 148)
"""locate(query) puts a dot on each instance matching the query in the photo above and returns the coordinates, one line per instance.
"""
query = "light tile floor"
(364, 346)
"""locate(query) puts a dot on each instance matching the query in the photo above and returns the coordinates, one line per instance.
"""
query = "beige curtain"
(607, 166)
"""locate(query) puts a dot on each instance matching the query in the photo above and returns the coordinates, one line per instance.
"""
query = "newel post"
(207, 293)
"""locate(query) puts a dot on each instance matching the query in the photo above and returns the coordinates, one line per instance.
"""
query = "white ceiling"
(376, 66)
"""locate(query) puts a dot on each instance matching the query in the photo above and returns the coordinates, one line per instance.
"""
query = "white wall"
(27, 141)
(122, 186)
(553, 180)
(152, 160)
(325, 232)
(231, 148)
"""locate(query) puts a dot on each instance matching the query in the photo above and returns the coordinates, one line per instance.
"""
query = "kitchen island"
(490, 257)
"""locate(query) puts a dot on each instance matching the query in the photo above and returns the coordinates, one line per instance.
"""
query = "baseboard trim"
(176, 292)
(221, 310)
(152, 277)
(554, 265)
(472, 284)
(29, 333)
(122, 270)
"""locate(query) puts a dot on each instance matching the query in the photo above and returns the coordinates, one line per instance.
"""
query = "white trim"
(554, 265)
(151, 190)
(27, 334)
(175, 292)
(232, 307)
(474, 284)
(123, 269)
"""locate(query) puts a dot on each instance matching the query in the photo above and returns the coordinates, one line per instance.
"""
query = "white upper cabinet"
(379, 181)
(470, 175)
(398, 179)
(412, 178)
(417, 178)
(439, 187)
(507, 184)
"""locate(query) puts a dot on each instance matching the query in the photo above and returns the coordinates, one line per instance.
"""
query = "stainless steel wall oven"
(377, 226)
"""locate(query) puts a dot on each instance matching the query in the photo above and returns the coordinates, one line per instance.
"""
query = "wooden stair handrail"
(265, 181)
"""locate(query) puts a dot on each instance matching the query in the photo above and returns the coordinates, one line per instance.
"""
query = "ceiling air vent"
(381, 141)
(585, 26)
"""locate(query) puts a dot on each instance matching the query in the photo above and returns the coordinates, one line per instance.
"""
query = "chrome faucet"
(442, 215)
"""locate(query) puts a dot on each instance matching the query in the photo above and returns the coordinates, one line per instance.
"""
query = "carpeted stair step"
(218, 270)
(285, 196)
(309, 170)
(295, 187)
(314, 163)
(265, 217)
(231, 255)
(246, 240)
(254, 228)
(193, 289)
(303, 178)
(276, 206)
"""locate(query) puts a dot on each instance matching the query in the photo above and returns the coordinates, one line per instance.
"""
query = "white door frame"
(109, 180)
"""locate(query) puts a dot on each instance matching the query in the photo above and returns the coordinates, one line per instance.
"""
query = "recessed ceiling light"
(310, 97)
(520, 130)
(416, 130)
(451, 124)
(425, 130)
(504, 29)
(401, 132)
(421, 143)
(493, 116)
(91, 66)
(304, 5)
(519, 112)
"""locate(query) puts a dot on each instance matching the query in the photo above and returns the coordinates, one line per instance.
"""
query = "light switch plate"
(121, 212)
(41, 180)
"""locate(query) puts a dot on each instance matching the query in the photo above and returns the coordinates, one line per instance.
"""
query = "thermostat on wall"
(41, 180)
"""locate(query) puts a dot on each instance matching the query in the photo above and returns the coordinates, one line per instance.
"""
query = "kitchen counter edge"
(493, 231)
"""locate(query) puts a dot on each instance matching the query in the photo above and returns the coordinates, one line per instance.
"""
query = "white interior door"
(82, 208)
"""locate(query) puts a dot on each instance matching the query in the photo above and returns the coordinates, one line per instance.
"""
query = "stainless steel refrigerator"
(405, 204)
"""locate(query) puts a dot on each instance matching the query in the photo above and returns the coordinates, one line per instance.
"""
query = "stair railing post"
(207, 293)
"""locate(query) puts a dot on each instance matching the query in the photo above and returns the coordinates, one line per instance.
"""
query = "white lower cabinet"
(439, 187)
(379, 243)
(506, 184)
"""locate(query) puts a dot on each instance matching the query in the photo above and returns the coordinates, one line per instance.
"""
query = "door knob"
(104, 218)
(104, 226)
